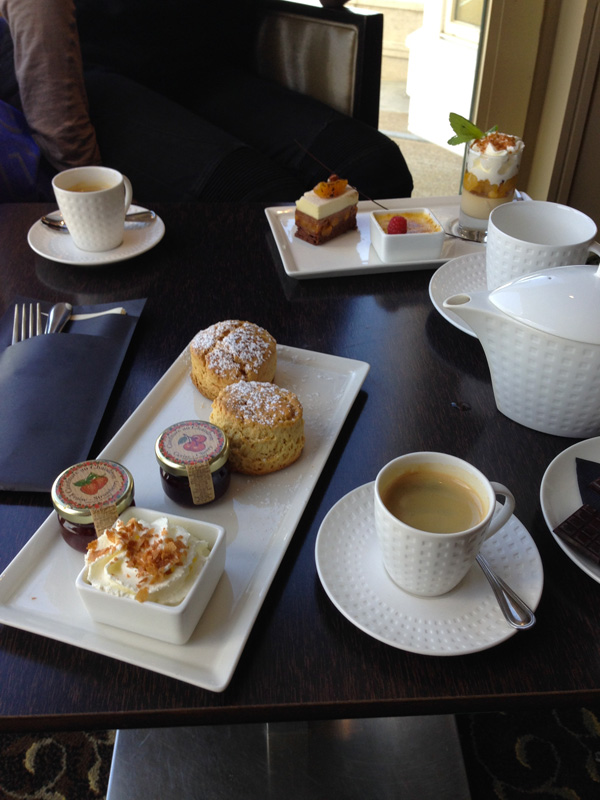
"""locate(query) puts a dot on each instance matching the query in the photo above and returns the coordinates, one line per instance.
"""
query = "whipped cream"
(146, 561)
(320, 207)
(495, 158)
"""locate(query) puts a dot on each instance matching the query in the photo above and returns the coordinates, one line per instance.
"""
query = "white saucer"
(465, 620)
(560, 496)
(464, 274)
(58, 245)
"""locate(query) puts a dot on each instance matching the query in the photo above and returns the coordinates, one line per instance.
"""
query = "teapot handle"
(594, 247)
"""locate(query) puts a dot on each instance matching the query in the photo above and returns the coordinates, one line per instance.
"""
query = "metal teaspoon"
(59, 315)
(135, 216)
(516, 612)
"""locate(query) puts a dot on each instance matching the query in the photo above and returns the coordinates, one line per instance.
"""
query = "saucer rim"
(151, 235)
(461, 288)
(534, 588)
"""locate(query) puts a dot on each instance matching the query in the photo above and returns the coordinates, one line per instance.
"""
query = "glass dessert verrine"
(490, 178)
(490, 174)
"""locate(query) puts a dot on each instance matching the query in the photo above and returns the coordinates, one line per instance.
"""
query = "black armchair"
(209, 101)
(333, 55)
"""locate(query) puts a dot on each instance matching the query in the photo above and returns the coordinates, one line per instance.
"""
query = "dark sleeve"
(48, 68)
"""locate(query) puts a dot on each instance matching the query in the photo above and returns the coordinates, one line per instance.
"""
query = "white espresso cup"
(93, 202)
(534, 235)
(433, 511)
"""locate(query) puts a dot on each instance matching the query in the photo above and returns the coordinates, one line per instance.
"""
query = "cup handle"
(594, 247)
(502, 514)
(128, 192)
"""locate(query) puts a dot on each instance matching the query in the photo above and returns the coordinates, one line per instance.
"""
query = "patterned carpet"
(545, 755)
(55, 766)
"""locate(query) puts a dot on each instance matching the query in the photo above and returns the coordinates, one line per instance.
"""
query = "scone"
(264, 425)
(231, 351)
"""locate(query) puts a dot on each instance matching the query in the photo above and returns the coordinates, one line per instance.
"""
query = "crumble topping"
(498, 141)
(149, 555)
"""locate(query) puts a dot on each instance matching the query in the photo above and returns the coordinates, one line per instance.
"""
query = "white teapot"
(541, 337)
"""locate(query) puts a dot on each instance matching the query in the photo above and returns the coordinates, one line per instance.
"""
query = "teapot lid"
(564, 301)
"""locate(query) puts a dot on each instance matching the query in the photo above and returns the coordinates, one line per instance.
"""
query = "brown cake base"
(319, 231)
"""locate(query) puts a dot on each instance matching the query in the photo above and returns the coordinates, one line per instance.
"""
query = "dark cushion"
(20, 157)
(162, 45)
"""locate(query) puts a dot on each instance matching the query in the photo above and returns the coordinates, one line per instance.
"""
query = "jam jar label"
(191, 442)
(104, 518)
(201, 483)
(92, 484)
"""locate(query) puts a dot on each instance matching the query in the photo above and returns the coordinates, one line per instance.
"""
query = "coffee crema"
(433, 500)
(88, 186)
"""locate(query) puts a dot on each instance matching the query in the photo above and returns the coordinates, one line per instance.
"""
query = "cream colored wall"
(526, 88)
(556, 98)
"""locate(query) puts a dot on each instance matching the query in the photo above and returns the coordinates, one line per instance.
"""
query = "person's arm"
(49, 72)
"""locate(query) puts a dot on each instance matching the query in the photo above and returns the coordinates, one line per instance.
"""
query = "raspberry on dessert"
(397, 225)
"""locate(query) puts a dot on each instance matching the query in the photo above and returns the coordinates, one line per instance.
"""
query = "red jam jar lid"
(190, 443)
(91, 486)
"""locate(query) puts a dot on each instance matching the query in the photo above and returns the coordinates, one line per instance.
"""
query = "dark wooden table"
(428, 389)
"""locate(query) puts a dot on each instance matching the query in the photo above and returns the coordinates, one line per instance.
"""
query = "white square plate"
(353, 253)
(260, 515)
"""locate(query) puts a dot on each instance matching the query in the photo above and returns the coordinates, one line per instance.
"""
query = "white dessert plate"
(58, 245)
(465, 620)
(560, 496)
(353, 253)
(260, 515)
(460, 275)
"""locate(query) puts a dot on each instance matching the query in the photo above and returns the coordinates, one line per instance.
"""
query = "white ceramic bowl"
(174, 624)
(394, 248)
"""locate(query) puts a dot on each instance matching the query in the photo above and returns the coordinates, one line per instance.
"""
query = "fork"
(28, 324)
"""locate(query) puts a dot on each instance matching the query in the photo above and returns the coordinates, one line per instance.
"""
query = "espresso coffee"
(89, 187)
(433, 500)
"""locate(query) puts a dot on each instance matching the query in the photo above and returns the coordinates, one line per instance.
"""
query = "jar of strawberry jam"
(192, 456)
(88, 497)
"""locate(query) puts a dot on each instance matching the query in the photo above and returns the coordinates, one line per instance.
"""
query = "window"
(462, 18)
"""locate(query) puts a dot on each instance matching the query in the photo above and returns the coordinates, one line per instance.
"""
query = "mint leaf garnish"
(465, 131)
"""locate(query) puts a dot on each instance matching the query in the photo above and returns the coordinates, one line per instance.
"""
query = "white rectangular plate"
(260, 515)
(352, 253)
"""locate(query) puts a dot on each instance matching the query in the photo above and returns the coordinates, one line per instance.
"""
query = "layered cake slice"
(326, 211)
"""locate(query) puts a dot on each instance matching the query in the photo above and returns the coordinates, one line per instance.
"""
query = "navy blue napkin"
(54, 390)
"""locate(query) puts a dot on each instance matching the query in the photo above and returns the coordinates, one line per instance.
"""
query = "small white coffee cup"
(534, 235)
(93, 202)
(435, 490)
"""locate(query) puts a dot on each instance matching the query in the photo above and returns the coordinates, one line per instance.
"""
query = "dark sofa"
(244, 100)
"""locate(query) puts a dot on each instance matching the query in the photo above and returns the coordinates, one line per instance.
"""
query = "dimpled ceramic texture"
(509, 254)
(545, 382)
(95, 221)
(421, 563)
(96, 218)
(508, 259)
(465, 620)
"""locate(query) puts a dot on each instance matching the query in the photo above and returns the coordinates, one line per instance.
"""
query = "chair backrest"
(333, 55)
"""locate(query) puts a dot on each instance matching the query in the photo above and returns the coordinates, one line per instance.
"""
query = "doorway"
(429, 68)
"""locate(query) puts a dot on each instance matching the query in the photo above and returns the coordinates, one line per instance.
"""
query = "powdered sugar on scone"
(264, 424)
(230, 351)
